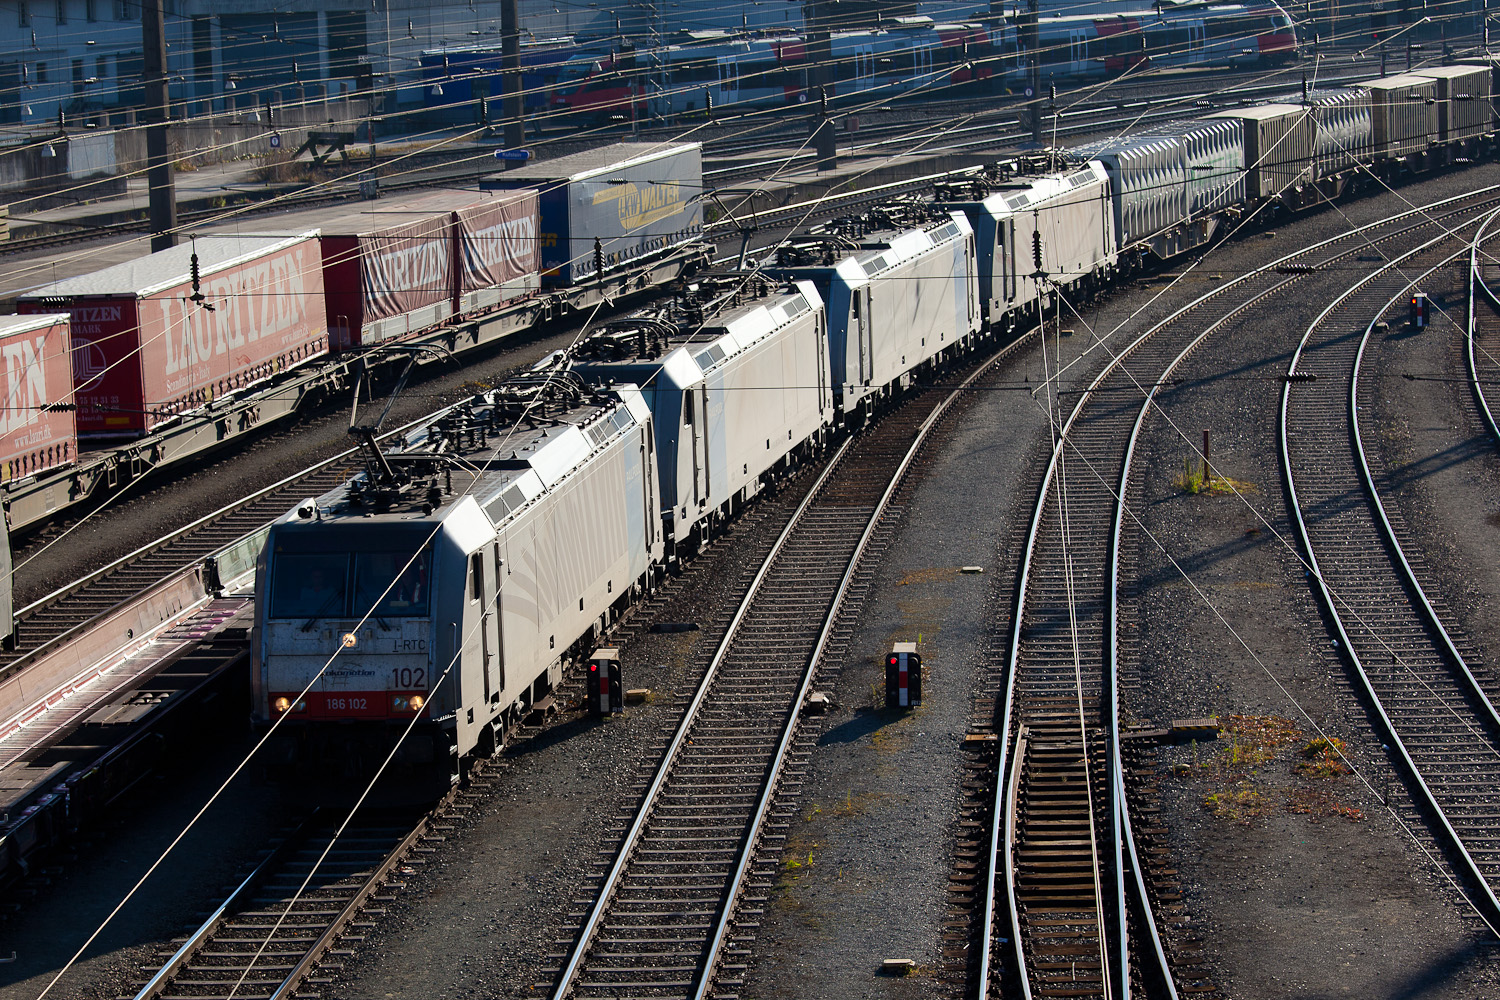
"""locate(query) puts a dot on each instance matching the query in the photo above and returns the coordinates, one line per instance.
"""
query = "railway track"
(51, 620)
(1431, 697)
(677, 901)
(276, 933)
(1064, 869)
(1482, 343)
(285, 918)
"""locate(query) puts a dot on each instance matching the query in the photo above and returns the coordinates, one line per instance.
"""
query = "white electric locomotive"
(1061, 221)
(431, 601)
(902, 288)
(735, 371)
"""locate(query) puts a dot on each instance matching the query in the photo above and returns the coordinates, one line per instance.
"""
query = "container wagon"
(1463, 104)
(611, 206)
(392, 269)
(1404, 117)
(148, 343)
(1279, 142)
(38, 429)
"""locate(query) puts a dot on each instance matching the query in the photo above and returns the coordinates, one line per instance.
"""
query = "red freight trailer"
(37, 376)
(499, 256)
(395, 268)
(145, 349)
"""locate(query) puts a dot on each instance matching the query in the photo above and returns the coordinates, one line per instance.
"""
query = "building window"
(41, 72)
(91, 10)
(123, 11)
(62, 11)
(23, 14)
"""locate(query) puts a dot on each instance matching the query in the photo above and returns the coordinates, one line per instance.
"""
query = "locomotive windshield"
(349, 585)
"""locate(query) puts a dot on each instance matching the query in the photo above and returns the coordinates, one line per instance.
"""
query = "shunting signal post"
(1420, 314)
(903, 676)
(605, 694)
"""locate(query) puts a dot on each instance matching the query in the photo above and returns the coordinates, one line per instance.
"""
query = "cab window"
(310, 585)
(386, 586)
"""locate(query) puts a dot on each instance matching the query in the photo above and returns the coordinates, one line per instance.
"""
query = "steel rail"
(183, 959)
(1429, 798)
(1386, 529)
(591, 924)
(998, 811)
(768, 793)
(1112, 636)
(356, 903)
(195, 941)
(1477, 282)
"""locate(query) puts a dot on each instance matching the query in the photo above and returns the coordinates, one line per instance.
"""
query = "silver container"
(1463, 94)
(1404, 114)
(1214, 157)
(1278, 146)
(1148, 179)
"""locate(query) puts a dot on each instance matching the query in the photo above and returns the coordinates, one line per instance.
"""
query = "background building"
(82, 58)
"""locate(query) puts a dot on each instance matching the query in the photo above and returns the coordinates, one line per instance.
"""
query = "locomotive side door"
(864, 67)
(729, 80)
(494, 638)
(482, 589)
(857, 303)
(1008, 258)
(695, 416)
(921, 64)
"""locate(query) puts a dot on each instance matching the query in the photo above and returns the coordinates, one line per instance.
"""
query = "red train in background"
(912, 52)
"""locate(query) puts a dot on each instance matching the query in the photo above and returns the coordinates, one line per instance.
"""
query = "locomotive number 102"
(409, 677)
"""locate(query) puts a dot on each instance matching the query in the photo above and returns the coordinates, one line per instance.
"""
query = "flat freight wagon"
(37, 427)
(635, 198)
(146, 346)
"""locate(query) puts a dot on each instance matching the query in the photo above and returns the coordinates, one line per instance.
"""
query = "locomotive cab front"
(345, 634)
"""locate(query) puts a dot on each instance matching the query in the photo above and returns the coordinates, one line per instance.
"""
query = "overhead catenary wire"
(337, 653)
(271, 730)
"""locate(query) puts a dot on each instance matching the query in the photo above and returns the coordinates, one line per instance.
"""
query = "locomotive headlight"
(281, 704)
(417, 701)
